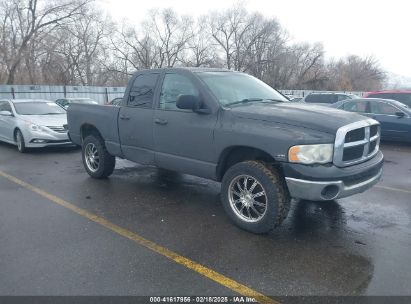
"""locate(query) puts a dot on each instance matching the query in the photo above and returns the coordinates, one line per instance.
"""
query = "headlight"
(37, 128)
(311, 154)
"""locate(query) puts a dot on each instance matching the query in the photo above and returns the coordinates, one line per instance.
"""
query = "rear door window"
(383, 108)
(142, 91)
(356, 106)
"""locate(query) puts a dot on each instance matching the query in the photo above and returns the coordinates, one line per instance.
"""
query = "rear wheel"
(254, 196)
(21, 145)
(96, 159)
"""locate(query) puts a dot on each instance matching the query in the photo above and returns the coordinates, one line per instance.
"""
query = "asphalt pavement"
(355, 246)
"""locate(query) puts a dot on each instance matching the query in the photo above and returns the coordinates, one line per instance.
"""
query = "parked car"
(403, 96)
(394, 116)
(293, 98)
(327, 98)
(233, 128)
(296, 99)
(116, 101)
(65, 102)
(32, 123)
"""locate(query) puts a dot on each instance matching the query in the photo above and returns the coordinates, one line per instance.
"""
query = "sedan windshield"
(38, 108)
(236, 88)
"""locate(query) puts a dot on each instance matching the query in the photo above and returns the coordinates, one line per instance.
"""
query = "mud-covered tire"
(270, 181)
(103, 163)
(21, 144)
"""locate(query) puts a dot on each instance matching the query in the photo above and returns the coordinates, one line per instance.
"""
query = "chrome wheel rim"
(247, 198)
(19, 141)
(92, 157)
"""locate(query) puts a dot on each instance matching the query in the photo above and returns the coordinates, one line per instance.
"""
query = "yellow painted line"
(203, 270)
(393, 189)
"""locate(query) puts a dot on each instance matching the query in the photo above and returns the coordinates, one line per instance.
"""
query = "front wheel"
(96, 159)
(255, 196)
(21, 145)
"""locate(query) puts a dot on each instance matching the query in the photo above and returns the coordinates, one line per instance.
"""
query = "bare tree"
(71, 42)
(85, 47)
(308, 59)
(201, 48)
(354, 73)
(133, 51)
(265, 42)
(227, 28)
(171, 34)
(23, 20)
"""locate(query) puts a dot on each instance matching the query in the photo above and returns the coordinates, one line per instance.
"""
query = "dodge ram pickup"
(235, 129)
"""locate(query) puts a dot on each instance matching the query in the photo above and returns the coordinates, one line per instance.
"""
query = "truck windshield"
(237, 88)
(38, 108)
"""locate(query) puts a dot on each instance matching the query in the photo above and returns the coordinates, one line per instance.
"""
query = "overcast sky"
(362, 27)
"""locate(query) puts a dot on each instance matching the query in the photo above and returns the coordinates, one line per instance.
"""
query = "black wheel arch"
(15, 132)
(236, 154)
(89, 129)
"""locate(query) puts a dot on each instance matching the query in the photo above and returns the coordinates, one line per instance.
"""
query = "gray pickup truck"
(232, 128)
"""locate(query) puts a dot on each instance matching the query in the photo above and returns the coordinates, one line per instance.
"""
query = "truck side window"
(142, 91)
(174, 85)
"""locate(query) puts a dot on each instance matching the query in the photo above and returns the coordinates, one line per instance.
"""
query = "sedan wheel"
(21, 146)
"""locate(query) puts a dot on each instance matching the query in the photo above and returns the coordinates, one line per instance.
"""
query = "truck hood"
(46, 120)
(320, 118)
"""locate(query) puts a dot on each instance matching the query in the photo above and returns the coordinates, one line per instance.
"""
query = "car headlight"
(37, 128)
(311, 154)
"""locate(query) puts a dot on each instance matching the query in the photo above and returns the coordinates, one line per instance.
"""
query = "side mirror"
(6, 113)
(400, 114)
(190, 102)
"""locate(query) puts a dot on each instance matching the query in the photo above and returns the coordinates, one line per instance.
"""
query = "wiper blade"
(245, 100)
(275, 100)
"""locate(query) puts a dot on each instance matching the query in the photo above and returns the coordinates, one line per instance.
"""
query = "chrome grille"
(356, 142)
(60, 129)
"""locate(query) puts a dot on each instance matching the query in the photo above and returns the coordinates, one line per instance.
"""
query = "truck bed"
(103, 118)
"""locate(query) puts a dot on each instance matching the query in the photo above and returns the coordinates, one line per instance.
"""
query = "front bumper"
(320, 183)
(43, 139)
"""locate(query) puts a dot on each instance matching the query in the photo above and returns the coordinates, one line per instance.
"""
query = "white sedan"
(29, 123)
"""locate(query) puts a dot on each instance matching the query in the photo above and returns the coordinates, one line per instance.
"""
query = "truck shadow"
(317, 217)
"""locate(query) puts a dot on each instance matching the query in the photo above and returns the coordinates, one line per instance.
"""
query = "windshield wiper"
(246, 100)
(275, 100)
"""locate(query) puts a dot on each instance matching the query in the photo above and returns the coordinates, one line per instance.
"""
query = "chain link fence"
(100, 94)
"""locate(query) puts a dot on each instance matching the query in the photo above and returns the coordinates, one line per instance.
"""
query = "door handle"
(161, 121)
(123, 117)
